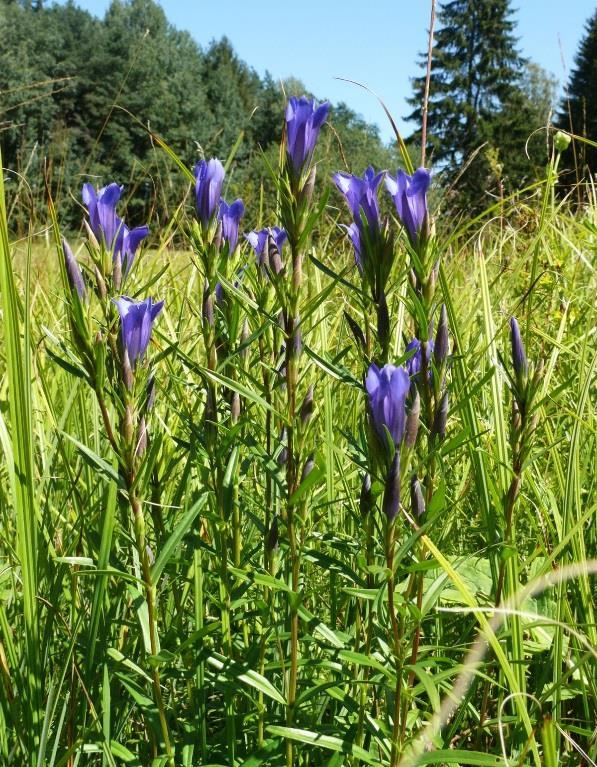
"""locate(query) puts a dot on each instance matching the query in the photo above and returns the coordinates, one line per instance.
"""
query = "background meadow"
(210, 552)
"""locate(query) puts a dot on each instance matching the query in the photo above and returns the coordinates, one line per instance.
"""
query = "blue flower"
(387, 389)
(108, 227)
(303, 122)
(410, 198)
(257, 239)
(230, 216)
(136, 324)
(209, 178)
(73, 271)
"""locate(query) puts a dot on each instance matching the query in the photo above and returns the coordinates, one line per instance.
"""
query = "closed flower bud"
(519, 358)
(150, 554)
(141, 438)
(101, 285)
(117, 271)
(91, 236)
(366, 497)
(244, 337)
(283, 454)
(73, 272)
(412, 420)
(417, 502)
(561, 141)
(307, 406)
(235, 407)
(208, 307)
(441, 418)
(308, 468)
(273, 255)
(150, 394)
(297, 346)
(383, 319)
(127, 371)
(358, 334)
(391, 496)
(128, 427)
(310, 185)
(442, 340)
(272, 538)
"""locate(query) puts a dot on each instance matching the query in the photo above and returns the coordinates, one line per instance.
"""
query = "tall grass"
(243, 620)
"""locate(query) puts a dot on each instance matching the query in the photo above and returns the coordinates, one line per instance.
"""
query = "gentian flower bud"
(244, 337)
(387, 389)
(417, 502)
(283, 454)
(127, 371)
(150, 394)
(356, 331)
(519, 357)
(136, 322)
(109, 228)
(309, 187)
(412, 420)
(128, 426)
(209, 179)
(303, 123)
(308, 468)
(307, 407)
(230, 216)
(141, 438)
(383, 320)
(410, 198)
(101, 285)
(208, 307)
(366, 497)
(273, 255)
(235, 407)
(441, 418)
(272, 539)
(442, 340)
(73, 272)
(391, 496)
(117, 271)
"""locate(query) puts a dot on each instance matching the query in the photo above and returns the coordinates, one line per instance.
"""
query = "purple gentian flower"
(209, 178)
(303, 122)
(519, 357)
(230, 216)
(108, 227)
(258, 240)
(136, 324)
(73, 271)
(361, 195)
(415, 362)
(410, 198)
(387, 389)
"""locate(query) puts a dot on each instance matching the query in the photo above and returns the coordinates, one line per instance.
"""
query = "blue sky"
(375, 42)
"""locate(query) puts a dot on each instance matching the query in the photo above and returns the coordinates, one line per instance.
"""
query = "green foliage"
(578, 113)
(70, 83)
(485, 100)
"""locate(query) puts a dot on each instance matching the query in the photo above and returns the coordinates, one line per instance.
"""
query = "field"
(224, 549)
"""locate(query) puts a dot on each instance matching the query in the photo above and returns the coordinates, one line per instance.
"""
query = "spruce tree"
(478, 114)
(579, 109)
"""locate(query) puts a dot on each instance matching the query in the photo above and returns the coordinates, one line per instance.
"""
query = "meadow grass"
(480, 686)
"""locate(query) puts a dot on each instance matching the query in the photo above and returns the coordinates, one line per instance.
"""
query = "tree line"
(80, 98)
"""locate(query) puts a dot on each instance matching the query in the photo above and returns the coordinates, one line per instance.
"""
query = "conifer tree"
(479, 116)
(579, 109)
